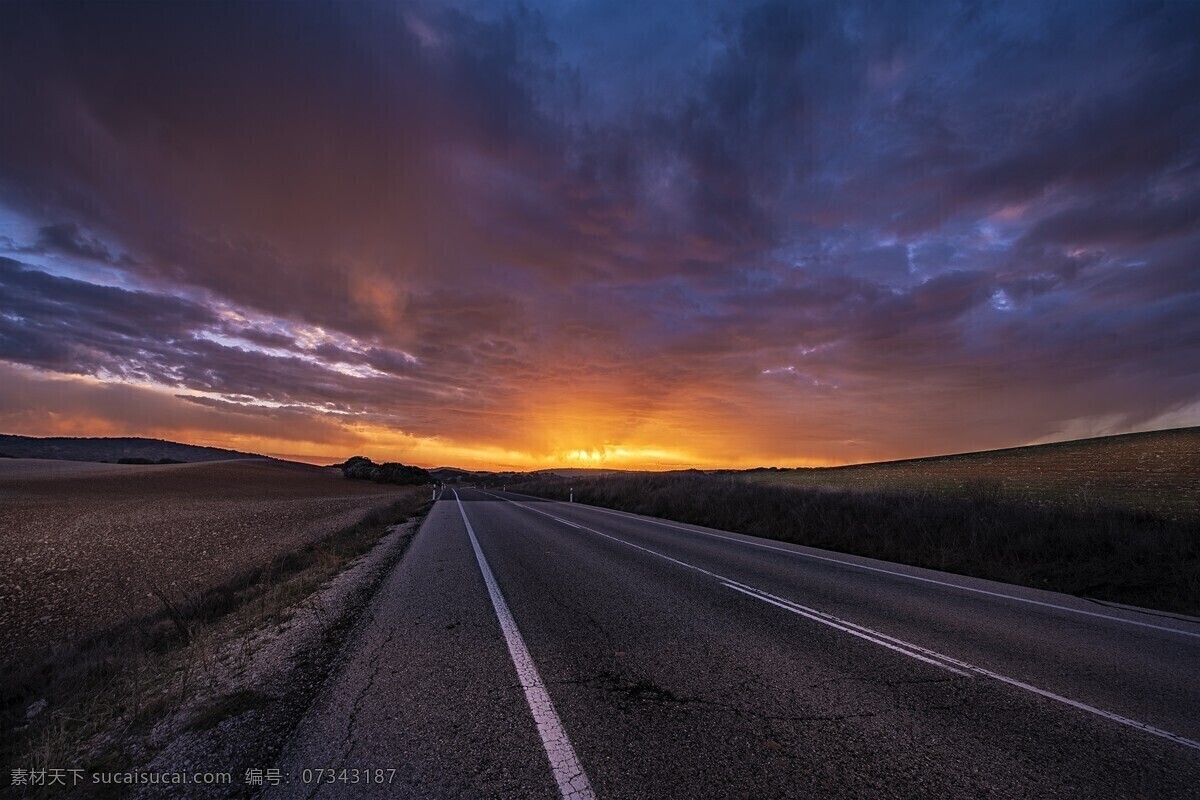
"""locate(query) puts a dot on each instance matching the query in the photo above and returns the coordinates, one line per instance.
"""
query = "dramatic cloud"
(594, 232)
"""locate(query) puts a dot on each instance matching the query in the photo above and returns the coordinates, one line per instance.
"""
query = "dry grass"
(1114, 554)
(1157, 472)
(105, 691)
(86, 545)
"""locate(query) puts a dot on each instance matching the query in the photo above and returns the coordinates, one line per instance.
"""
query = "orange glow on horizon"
(383, 444)
(596, 433)
(387, 445)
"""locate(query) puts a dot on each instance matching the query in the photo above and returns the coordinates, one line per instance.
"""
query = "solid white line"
(568, 772)
(905, 647)
(894, 573)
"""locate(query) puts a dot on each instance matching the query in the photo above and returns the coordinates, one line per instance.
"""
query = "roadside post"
(572, 500)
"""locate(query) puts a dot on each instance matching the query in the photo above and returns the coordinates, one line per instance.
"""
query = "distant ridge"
(1167, 435)
(69, 448)
(569, 472)
(450, 473)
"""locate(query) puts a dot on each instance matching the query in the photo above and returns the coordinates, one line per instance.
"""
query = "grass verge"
(1114, 554)
(92, 699)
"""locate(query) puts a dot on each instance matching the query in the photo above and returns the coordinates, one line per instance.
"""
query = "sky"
(560, 233)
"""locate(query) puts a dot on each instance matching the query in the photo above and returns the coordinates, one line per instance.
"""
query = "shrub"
(362, 468)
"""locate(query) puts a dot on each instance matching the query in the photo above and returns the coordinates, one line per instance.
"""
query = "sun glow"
(592, 434)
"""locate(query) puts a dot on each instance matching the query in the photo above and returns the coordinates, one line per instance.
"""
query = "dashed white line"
(816, 616)
(568, 772)
(884, 640)
(894, 573)
(828, 619)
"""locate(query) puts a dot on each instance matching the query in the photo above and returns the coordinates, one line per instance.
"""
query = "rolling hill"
(1156, 471)
(66, 448)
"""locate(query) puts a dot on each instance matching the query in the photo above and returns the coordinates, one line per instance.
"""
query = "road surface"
(526, 649)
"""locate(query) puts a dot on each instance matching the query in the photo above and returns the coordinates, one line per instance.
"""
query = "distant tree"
(359, 467)
(363, 468)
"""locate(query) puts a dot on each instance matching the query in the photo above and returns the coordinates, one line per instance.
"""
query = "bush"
(362, 468)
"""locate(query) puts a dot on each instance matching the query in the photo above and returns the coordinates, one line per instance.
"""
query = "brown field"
(82, 543)
(1157, 472)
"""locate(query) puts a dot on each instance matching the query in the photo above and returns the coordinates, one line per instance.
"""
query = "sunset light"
(504, 240)
(589, 399)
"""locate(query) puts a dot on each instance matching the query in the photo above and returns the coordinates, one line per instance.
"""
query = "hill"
(1158, 471)
(67, 448)
(452, 473)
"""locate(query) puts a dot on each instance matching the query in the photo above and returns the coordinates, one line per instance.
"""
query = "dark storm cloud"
(75, 327)
(236, 144)
(33, 297)
(1122, 221)
(689, 221)
(68, 239)
(268, 338)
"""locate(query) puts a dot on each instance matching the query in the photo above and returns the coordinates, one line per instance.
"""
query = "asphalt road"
(528, 649)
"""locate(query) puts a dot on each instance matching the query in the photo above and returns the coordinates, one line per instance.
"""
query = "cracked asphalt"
(671, 684)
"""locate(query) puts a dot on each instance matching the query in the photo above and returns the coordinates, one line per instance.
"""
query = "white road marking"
(876, 637)
(841, 625)
(824, 619)
(568, 772)
(796, 608)
(894, 573)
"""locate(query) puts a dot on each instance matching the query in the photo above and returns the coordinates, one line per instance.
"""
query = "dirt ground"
(81, 543)
(1158, 472)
